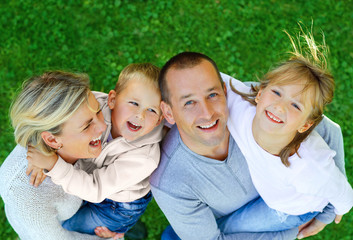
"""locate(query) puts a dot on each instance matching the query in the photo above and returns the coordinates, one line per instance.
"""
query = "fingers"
(338, 219)
(29, 169)
(311, 229)
(104, 232)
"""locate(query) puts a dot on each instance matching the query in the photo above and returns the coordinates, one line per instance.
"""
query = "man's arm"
(332, 134)
(192, 219)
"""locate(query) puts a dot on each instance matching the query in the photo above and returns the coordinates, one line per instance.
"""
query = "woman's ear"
(111, 99)
(51, 140)
(167, 112)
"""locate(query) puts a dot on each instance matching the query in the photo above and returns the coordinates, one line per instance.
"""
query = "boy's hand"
(37, 175)
(39, 160)
(104, 232)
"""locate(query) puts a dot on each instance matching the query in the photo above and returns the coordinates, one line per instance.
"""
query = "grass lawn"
(101, 37)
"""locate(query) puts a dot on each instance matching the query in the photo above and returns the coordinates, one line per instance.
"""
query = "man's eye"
(212, 95)
(276, 92)
(189, 102)
(134, 103)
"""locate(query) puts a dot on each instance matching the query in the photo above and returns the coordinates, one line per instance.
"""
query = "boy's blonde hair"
(304, 64)
(45, 103)
(137, 71)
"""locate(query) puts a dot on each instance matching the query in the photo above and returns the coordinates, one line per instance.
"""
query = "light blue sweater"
(194, 191)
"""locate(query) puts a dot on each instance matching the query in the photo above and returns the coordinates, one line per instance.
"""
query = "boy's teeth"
(210, 125)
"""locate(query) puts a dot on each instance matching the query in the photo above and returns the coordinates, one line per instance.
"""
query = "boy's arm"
(127, 170)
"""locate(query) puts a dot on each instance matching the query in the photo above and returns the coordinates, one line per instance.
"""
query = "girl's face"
(284, 109)
(81, 134)
(135, 110)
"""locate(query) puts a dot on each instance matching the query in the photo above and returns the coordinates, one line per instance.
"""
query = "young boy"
(115, 185)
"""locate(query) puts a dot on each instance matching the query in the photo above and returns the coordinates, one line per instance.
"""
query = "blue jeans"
(116, 216)
(256, 216)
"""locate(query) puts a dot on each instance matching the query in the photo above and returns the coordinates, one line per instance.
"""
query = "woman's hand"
(37, 175)
(104, 232)
(39, 160)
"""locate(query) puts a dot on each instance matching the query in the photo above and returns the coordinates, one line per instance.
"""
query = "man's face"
(198, 105)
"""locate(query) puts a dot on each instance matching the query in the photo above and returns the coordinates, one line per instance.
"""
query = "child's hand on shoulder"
(39, 160)
(37, 175)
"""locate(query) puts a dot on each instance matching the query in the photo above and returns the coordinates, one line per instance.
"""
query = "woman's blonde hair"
(45, 103)
(141, 71)
(307, 62)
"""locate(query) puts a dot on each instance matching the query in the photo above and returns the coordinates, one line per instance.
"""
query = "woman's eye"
(86, 127)
(134, 103)
(276, 92)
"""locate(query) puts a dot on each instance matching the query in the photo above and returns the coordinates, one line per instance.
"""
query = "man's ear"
(51, 140)
(111, 99)
(167, 112)
(306, 126)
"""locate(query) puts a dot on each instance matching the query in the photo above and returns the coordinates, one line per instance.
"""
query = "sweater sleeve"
(192, 219)
(332, 134)
(34, 215)
(127, 170)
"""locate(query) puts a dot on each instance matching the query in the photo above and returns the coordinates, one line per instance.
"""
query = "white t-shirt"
(308, 184)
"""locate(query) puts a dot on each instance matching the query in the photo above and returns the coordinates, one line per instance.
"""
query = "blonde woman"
(56, 113)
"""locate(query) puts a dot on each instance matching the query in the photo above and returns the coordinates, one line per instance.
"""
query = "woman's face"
(81, 134)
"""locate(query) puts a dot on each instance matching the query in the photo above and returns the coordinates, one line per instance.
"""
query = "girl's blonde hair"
(308, 63)
(45, 103)
(138, 71)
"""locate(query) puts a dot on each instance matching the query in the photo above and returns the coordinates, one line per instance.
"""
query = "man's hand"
(310, 228)
(37, 175)
(104, 232)
(39, 160)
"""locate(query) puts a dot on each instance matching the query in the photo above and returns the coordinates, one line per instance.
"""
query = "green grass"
(101, 37)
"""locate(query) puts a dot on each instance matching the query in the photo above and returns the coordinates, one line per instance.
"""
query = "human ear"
(51, 140)
(111, 99)
(167, 112)
(306, 126)
(225, 89)
(258, 95)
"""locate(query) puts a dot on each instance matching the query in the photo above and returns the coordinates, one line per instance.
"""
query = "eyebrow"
(190, 95)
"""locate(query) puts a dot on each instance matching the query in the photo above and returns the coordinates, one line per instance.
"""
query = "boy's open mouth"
(133, 127)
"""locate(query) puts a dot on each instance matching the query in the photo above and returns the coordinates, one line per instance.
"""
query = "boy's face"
(135, 111)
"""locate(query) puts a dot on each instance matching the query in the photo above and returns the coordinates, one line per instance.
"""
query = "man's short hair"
(181, 61)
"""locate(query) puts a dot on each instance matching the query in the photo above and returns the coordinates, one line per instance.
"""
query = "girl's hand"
(338, 219)
(37, 175)
(104, 232)
(39, 160)
(310, 228)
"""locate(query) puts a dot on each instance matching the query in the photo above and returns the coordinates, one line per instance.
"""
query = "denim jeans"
(116, 216)
(169, 234)
(256, 216)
